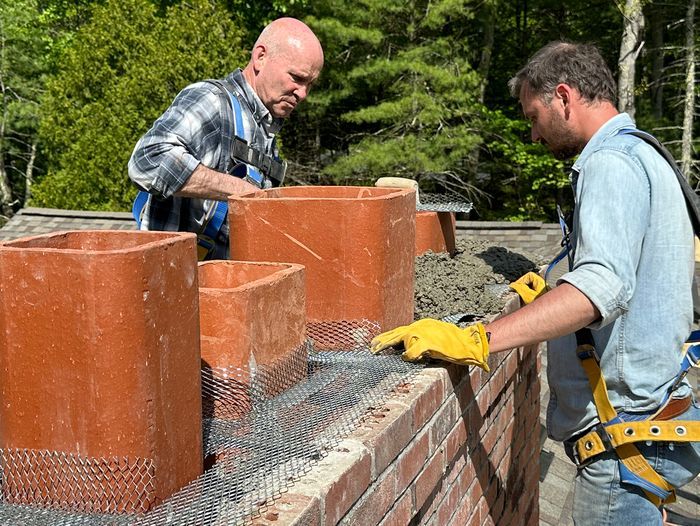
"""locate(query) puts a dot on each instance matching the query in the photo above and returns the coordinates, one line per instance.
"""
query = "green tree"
(60, 21)
(22, 66)
(405, 90)
(120, 71)
(414, 88)
(420, 89)
(667, 88)
(524, 181)
(256, 14)
(523, 178)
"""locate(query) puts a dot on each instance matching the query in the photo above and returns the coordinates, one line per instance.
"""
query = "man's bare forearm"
(561, 311)
(206, 183)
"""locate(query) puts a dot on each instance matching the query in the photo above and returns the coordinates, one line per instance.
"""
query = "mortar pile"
(447, 285)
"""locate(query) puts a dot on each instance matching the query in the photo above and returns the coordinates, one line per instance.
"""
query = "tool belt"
(615, 434)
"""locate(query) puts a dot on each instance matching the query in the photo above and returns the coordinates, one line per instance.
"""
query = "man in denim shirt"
(632, 264)
(631, 277)
(182, 160)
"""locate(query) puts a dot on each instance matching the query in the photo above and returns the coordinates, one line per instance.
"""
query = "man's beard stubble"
(564, 144)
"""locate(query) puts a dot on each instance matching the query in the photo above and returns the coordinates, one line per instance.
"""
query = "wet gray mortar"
(467, 283)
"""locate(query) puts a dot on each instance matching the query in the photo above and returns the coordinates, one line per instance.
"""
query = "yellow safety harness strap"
(589, 360)
(591, 444)
(634, 465)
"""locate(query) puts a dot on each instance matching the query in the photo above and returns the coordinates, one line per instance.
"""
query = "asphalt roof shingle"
(36, 221)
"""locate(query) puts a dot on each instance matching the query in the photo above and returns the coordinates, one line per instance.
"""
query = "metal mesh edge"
(443, 203)
(70, 482)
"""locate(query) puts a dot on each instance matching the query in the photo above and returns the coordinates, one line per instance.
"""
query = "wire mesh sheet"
(443, 203)
(259, 438)
(430, 202)
(67, 481)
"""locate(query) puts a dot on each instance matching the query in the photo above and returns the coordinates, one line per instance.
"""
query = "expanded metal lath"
(264, 428)
(71, 482)
(443, 203)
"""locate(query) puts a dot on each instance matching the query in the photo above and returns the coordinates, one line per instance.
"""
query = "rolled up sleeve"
(612, 214)
(165, 157)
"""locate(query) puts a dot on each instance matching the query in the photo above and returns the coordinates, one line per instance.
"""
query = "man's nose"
(301, 92)
(535, 134)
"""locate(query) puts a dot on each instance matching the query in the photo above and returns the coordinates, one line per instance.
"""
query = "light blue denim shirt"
(634, 259)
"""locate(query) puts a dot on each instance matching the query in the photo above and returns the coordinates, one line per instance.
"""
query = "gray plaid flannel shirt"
(187, 134)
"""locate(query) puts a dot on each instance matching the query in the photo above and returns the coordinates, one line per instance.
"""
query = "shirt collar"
(607, 130)
(260, 113)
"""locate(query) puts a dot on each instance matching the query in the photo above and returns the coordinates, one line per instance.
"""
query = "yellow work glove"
(530, 287)
(438, 339)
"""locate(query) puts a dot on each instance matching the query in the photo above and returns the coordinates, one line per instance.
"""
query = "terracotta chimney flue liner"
(253, 318)
(356, 243)
(99, 368)
(435, 231)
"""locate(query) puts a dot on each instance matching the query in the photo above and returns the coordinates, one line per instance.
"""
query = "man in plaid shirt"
(186, 162)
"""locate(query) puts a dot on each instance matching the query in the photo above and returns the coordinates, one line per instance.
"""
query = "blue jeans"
(601, 500)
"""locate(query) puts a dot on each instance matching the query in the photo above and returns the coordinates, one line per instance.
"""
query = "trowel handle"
(398, 182)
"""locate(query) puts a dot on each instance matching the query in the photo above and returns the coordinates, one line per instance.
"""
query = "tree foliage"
(414, 91)
(22, 67)
(404, 94)
(525, 177)
(416, 88)
(121, 71)
(421, 118)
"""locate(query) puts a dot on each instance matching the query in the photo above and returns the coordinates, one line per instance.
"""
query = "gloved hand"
(530, 287)
(438, 339)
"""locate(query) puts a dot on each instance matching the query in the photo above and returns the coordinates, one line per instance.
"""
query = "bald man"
(217, 138)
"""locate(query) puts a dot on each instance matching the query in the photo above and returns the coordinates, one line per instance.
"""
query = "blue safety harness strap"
(691, 358)
(565, 243)
(208, 238)
(139, 205)
(630, 477)
(692, 353)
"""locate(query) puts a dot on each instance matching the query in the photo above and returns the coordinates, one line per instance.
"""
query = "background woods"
(414, 88)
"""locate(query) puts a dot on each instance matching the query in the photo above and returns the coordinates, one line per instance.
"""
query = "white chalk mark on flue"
(302, 245)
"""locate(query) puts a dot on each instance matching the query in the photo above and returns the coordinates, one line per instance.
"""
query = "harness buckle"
(604, 437)
(586, 351)
(572, 452)
(205, 246)
(677, 382)
(587, 444)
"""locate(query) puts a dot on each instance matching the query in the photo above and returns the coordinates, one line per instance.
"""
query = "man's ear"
(564, 93)
(259, 56)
